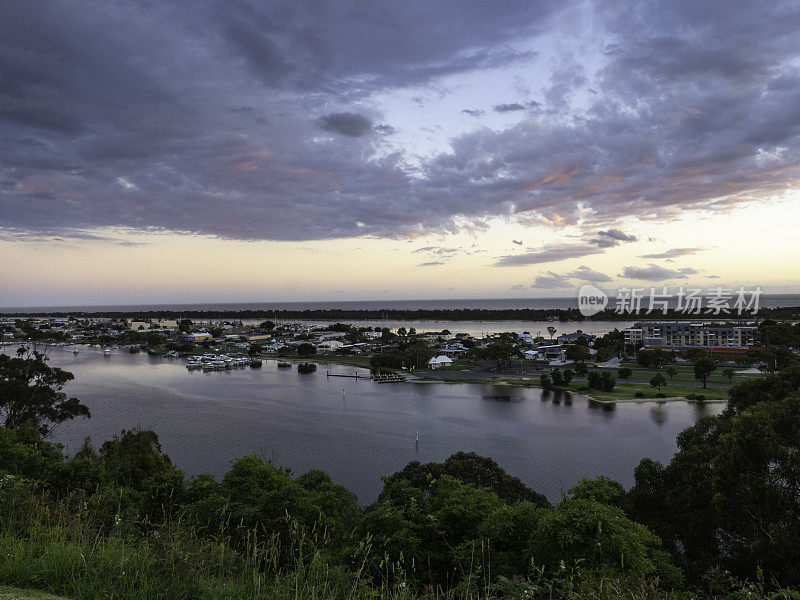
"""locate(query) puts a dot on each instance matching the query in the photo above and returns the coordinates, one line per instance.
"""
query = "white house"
(440, 361)
(554, 354)
(330, 345)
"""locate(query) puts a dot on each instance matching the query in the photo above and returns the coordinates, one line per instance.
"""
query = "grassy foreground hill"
(8, 593)
(720, 521)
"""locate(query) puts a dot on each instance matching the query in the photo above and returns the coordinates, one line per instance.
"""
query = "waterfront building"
(683, 334)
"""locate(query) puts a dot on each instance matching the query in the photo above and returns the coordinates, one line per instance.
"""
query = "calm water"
(766, 300)
(358, 430)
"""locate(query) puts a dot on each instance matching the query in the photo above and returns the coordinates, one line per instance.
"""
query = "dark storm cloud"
(473, 112)
(349, 124)
(433, 263)
(151, 116)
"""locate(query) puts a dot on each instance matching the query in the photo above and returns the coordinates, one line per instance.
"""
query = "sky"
(245, 151)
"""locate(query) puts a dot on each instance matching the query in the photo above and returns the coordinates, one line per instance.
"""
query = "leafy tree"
(602, 489)
(595, 380)
(267, 325)
(771, 388)
(602, 539)
(624, 372)
(671, 372)
(703, 367)
(609, 381)
(581, 369)
(507, 530)
(728, 499)
(658, 381)
(567, 376)
(471, 468)
(604, 381)
(770, 359)
(756, 478)
(557, 377)
(501, 353)
(610, 344)
(402, 332)
(577, 352)
(254, 350)
(551, 330)
(30, 393)
(729, 373)
(133, 457)
(411, 356)
(431, 518)
(306, 349)
(337, 508)
(545, 381)
(654, 358)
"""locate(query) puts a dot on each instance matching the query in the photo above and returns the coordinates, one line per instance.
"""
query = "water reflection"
(358, 430)
(605, 408)
(658, 412)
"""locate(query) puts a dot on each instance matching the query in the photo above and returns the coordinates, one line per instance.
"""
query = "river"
(358, 430)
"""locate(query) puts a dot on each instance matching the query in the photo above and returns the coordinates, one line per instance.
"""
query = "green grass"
(685, 373)
(9, 593)
(74, 561)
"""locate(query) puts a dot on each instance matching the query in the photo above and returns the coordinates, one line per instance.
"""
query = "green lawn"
(10, 593)
(686, 374)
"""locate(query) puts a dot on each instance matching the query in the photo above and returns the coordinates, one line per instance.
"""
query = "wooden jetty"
(388, 378)
(351, 376)
(377, 378)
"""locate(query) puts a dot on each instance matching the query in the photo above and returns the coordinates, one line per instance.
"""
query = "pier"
(353, 376)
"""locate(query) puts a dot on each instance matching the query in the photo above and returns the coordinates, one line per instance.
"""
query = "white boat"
(75, 350)
(106, 352)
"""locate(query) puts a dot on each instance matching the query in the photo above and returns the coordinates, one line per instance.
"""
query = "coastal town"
(628, 363)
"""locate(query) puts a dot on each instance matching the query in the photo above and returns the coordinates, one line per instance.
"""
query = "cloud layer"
(258, 121)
